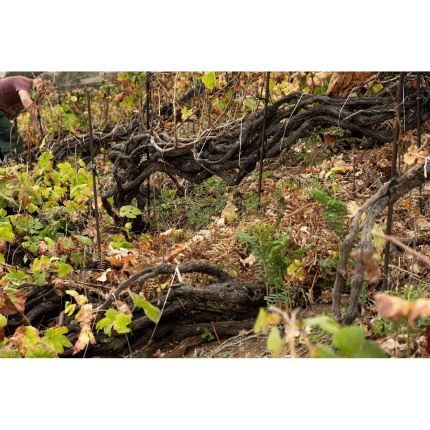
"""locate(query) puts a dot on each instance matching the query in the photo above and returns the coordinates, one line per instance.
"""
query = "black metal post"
(263, 139)
(385, 282)
(94, 173)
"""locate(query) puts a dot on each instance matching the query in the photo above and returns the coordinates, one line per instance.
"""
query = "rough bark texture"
(225, 307)
(390, 192)
(232, 151)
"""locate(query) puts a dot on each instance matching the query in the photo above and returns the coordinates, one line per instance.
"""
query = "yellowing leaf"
(261, 322)
(274, 342)
(104, 276)
(340, 169)
(414, 155)
(229, 213)
(86, 337)
(273, 319)
(353, 208)
(209, 80)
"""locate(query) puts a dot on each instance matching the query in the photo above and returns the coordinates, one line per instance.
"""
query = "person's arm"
(29, 105)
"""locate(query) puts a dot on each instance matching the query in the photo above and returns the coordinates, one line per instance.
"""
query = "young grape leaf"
(209, 80)
(129, 211)
(54, 338)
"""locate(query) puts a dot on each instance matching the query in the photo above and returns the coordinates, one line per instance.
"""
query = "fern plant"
(335, 210)
(274, 255)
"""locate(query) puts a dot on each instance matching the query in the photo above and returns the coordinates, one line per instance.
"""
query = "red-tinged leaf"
(419, 309)
(85, 314)
(370, 265)
(86, 336)
(12, 302)
(122, 307)
(81, 300)
(395, 307)
(25, 338)
(42, 248)
(391, 307)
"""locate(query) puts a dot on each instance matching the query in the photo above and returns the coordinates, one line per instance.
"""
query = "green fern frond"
(335, 210)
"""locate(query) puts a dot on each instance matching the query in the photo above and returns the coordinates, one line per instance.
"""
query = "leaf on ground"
(105, 275)
(248, 261)
(228, 214)
(415, 155)
(353, 208)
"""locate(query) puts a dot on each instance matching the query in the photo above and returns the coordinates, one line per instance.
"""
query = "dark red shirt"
(10, 102)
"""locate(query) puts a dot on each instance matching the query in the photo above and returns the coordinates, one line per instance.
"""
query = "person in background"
(15, 97)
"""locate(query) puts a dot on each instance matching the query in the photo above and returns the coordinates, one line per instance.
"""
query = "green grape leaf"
(209, 80)
(370, 350)
(6, 232)
(63, 269)
(40, 352)
(72, 293)
(121, 322)
(39, 278)
(106, 325)
(3, 321)
(151, 311)
(55, 339)
(115, 319)
(324, 322)
(186, 113)
(376, 88)
(85, 240)
(44, 161)
(129, 211)
(69, 308)
(349, 340)
(323, 351)
(9, 353)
